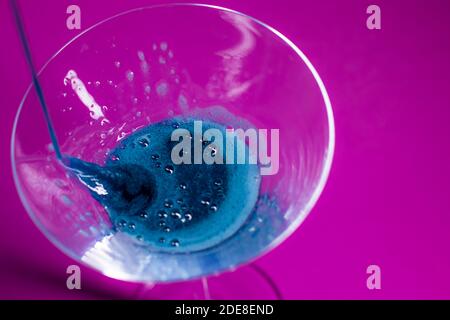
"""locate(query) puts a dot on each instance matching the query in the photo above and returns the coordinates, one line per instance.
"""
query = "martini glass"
(151, 64)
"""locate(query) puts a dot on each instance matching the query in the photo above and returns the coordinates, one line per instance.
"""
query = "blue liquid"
(182, 208)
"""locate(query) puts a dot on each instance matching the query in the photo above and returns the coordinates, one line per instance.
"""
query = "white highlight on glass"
(96, 111)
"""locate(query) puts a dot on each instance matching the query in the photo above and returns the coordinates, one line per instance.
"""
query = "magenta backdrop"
(387, 201)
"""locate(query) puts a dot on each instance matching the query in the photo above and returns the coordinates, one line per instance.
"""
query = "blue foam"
(181, 208)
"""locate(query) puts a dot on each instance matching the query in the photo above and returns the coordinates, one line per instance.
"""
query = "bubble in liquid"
(169, 169)
(162, 214)
(168, 203)
(175, 125)
(213, 207)
(188, 216)
(144, 142)
(175, 214)
(166, 229)
(117, 64)
(175, 243)
(132, 226)
(155, 156)
(183, 186)
(205, 201)
(161, 240)
(144, 215)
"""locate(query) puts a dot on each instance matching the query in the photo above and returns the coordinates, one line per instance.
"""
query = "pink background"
(387, 201)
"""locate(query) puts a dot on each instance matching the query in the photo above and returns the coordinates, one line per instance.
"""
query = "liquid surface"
(182, 208)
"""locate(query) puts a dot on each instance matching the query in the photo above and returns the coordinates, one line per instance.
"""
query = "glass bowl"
(154, 63)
